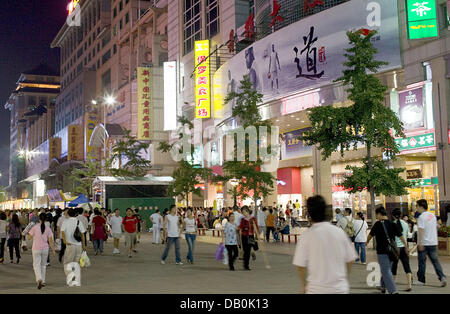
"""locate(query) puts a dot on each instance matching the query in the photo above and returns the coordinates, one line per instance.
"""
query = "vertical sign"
(422, 19)
(145, 104)
(170, 95)
(202, 85)
(91, 120)
(411, 109)
(54, 149)
(75, 147)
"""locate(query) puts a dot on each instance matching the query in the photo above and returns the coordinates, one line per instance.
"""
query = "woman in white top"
(360, 226)
(172, 235)
(190, 225)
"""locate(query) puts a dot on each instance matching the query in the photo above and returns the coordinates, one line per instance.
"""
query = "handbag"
(392, 249)
(77, 233)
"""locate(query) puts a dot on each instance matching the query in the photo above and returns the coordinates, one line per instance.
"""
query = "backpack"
(349, 228)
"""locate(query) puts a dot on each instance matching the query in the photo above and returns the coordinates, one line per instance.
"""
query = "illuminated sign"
(415, 142)
(72, 5)
(145, 104)
(202, 84)
(54, 149)
(91, 120)
(422, 19)
(75, 143)
(170, 95)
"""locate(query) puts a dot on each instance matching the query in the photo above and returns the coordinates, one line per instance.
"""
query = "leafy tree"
(367, 121)
(187, 174)
(248, 171)
(129, 149)
(83, 177)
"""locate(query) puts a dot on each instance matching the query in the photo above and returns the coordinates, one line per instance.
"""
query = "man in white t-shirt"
(157, 221)
(59, 223)
(74, 248)
(427, 242)
(116, 229)
(324, 254)
(261, 219)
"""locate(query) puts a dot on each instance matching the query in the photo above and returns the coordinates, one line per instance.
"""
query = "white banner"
(170, 95)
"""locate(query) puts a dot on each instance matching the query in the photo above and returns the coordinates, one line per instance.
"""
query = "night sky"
(27, 27)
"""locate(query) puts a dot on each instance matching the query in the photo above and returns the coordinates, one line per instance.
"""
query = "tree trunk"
(370, 188)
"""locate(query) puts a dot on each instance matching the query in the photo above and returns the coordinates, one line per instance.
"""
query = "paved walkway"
(144, 274)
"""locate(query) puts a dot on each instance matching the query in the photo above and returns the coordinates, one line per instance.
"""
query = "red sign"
(311, 5)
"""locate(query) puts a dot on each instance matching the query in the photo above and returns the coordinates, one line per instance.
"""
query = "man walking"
(74, 241)
(172, 230)
(116, 229)
(157, 220)
(129, 226)
(324, 252)
(261, 219)
(347, 224)
(427, 242)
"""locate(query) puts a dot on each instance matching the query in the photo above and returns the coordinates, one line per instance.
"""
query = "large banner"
(54, 150)
(145, 104)
(411, 108)
(76, 151)
(309, 53)
(91, 120)
(293, 147)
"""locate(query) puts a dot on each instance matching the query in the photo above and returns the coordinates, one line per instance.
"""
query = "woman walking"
(404, 258)
(385, 232)
(230, 234)
(14, 234)
(360, 227)
(3, 233)
(190, 224)
(248, 235)
(99, 234)
(42, 236)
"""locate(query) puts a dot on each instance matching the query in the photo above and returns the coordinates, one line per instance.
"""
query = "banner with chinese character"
(54, 149)
(412, 112)
(308, 54)
(416, 142)
(202, 84)
(422, 19)
(145, 104)
(293, 147)
(91, 120)
(75, 141)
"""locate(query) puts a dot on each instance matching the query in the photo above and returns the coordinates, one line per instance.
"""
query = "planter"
(444, 246)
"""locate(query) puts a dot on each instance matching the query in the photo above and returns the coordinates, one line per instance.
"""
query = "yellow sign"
(145, 104)
(91, 120)
(75, 143)
(54, 150)
(202, 84)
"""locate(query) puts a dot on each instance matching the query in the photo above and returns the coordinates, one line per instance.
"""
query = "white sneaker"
(162, 262)
(179, 263)
(443, 282)
(418, 283)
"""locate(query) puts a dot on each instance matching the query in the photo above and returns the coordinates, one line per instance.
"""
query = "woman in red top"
(99, 235)
(247, 234)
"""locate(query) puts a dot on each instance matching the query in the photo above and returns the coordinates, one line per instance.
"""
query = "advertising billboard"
(170, 95)
(308, 54)
(202, 80)
(145, 104)
(422, 19)
(293, 147)
(411, 108)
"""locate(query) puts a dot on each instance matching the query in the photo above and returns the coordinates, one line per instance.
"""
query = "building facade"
(293, 51)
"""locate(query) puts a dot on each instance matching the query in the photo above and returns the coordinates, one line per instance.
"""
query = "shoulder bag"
(392, 249)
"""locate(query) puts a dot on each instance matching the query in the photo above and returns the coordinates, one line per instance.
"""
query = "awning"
(100, 134)
(82, 199)
(148, 180)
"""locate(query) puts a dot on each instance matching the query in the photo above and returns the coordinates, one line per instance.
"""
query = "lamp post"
(234, 183)
(108, 100)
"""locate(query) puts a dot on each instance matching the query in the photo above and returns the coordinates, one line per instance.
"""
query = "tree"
(367, 121)
(188, 174)
(83, 177)
(249, 171)
(127, 152)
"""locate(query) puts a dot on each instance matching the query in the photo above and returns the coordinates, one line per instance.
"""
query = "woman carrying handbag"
(248, 235)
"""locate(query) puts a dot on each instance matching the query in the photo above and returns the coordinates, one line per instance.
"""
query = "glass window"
(127, 18)
(120, 5)
(191, 24)
(115, 12)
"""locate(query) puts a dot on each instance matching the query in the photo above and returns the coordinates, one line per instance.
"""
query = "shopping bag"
(84, 260)
(225, 257)
(58, 245)
(219, 252)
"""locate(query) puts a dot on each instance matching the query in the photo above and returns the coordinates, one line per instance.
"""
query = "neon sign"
(72, 5)
(202, 92)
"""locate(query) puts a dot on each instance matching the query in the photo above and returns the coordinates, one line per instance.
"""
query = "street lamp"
(234, 182)
(109, 100)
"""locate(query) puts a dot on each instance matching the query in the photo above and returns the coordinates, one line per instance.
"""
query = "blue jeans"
(387, 279)
(362, 254)
(190, 239)
(171, 241)
(98, 245)
(431, 251)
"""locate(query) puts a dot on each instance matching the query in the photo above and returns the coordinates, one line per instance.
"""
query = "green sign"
(422, 19)
(424, 182)
(415, 142)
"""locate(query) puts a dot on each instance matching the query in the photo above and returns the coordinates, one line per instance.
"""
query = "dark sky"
(27, 27)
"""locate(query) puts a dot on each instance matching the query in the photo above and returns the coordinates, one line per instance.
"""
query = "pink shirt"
(40, 240)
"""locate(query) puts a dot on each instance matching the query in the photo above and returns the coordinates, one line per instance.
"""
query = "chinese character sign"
(415, 142)
(75, 143)
(202, 85)
(145, 104)
(293, 146)
(91, 120)
(54, 148)
(422, 19)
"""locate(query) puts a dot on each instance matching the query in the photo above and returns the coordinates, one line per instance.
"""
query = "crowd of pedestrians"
(324, 254)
